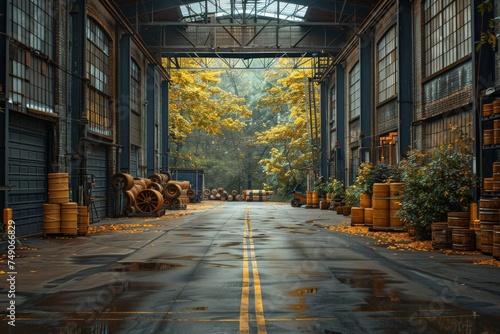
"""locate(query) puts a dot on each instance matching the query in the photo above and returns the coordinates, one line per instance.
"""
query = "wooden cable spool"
(122, 181)
(172, 190)
(155, 186)
(141, 182)
(158, 178)
(149, 201)
(191, 193)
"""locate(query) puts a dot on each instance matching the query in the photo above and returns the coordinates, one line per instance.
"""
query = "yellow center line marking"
(248, 247)
(244, 325)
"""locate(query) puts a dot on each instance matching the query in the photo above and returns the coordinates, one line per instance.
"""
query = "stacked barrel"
(489, 218)
(380, 205)
(59, 214)
(260, 195)
(462, 236)
(395, 193)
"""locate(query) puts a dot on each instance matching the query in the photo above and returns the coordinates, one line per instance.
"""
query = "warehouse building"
(84, 90)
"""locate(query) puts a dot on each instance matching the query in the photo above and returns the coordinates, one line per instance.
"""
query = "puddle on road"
(423, 316)
(198, 308)
(146, 266)
(301, 304)
(231, 244)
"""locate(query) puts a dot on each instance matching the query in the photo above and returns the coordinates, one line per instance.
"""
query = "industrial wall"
(415, 63)
(80, 95)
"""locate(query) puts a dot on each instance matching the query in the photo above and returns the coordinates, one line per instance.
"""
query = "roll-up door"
(28, 168)
(97, 167)
(134, 161)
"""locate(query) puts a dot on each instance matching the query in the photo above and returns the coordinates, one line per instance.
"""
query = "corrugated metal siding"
(28, 156)
(97, 165)
(134, 161)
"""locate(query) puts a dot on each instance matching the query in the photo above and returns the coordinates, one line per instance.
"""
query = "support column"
(78, 111)
(365, 68)
(405, 76)
(340, 123)
(150, 120)
(324, 130)
(164, 149)
(124, 104)
(4, 105)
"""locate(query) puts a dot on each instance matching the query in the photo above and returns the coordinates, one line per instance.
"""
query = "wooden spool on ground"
(149, 201)
(51, 218)
(122, 181)
(69, 218)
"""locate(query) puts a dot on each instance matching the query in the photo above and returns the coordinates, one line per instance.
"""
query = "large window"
(354, 92)
(31, 72)
(387, 65)
(447, 33)
(333, 109)
(135, 103)
(33, 24)
(98, 73)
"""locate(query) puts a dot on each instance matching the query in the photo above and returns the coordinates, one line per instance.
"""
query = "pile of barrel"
(246, 195)
(378, 211)
(256, 195)
(488, 226)
(221, 194)
(60, 215)
(152, 195)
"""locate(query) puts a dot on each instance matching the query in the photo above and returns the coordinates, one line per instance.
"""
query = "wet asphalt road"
(245, 268)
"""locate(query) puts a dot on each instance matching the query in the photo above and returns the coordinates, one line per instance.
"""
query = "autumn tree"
(290, 140)
(198, 107)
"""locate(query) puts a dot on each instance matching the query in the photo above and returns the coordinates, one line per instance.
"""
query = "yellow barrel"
(368, 216)
(488, 109)
(357, 216)
(381, 190)
(51, 218)
(381, 204)
(83, 220)
(314, 199)
(395, 192)
(365, 200)
(58, 189)
(69, 218)
(488, 137)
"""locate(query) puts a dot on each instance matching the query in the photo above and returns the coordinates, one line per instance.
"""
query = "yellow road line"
(248, 247)
(244, 325)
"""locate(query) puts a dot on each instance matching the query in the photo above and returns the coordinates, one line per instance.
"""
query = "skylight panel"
(263, 8)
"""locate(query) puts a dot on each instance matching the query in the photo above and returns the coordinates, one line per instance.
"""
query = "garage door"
(97, 166)
(27, 168)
